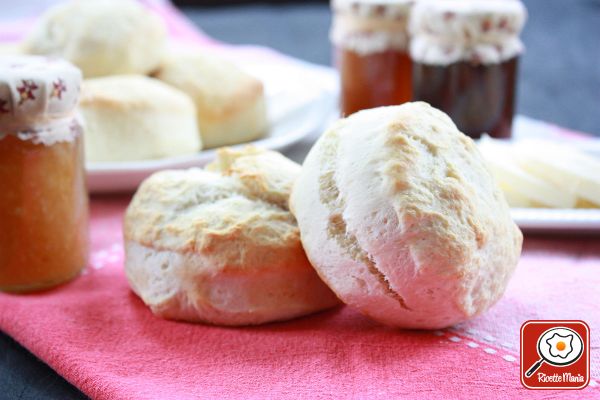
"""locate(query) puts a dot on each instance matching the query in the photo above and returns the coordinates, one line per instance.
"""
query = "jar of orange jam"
(371, 52)
(43, 198)
(465, 56)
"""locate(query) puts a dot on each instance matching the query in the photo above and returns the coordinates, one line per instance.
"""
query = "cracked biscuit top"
(400, 216)
(235, 210)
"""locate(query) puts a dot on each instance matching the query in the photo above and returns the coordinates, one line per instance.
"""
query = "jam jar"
(465, 56)
(371, 52)
(43, 197)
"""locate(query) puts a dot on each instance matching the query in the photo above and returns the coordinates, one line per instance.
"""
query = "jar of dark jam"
(371, 52)
(465, 57)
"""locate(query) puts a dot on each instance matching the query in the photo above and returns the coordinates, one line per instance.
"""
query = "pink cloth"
(97, 334)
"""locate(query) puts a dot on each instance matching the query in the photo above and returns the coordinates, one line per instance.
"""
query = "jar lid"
(370, 26)
(480, 31)
(34, 89)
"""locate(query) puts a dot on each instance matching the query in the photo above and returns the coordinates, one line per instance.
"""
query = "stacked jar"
(465, 55)
(371, 52)
(43, 198)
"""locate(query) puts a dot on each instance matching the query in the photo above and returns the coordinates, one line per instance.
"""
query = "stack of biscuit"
(140, 100)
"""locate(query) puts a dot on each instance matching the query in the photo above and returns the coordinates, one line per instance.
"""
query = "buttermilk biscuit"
(220, 245)
(230, 103)
(401, 218)
(133, 117)
(101, 37)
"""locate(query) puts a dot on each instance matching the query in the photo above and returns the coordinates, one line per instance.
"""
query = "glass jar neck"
(46, 132)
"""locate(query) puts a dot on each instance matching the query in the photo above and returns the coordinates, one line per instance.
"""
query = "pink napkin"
(97, 334)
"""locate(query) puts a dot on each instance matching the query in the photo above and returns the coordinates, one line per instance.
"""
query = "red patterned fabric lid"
(36, 90)
(485, 31)
(370, 26)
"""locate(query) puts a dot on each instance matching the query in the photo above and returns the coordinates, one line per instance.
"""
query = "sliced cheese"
(515, 198)
(563, 166)
(520, 186)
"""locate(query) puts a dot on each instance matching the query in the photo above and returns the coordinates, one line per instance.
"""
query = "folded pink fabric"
(97, 334)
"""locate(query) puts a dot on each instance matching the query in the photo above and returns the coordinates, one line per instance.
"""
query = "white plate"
(296, 108)
(557, 220)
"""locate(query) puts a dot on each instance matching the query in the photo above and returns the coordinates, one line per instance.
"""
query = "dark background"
(559, 75)
(559, 82)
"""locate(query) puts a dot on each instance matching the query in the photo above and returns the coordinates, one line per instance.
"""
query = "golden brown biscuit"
(101, 37)
(133, 117)
(230, 103)
(220, 246)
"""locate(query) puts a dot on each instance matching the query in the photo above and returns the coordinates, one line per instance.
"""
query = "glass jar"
(43, 198)
(371, 52)
(465, 58)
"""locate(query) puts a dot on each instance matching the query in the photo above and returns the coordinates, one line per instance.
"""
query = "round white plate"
(557, 220)
(300, 99)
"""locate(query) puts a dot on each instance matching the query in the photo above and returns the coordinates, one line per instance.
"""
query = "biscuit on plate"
(401, 218)
(220, 245)
(101, 37)
(133, 117)
(230, 103)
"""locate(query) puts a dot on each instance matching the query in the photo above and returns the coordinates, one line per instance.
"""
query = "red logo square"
(555, 354)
